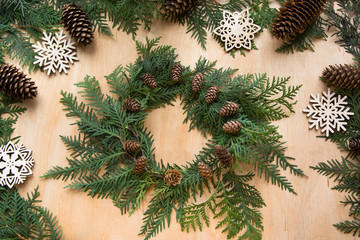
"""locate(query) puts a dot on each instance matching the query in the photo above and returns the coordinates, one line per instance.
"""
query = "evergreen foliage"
(22, 218)
(100, 166)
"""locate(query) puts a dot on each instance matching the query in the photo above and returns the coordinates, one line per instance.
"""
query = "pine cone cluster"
(197, 81)
(149, 80)
(211, 94)
(295, 16)
(204, 170)
(223, 155)
(173, 177)
(140, 165)
(131, 105)
(174, 8)
(232, 127)
(229, 109)
(176, 72)
(344, 76)
(14, 83)
(354, 143)
(131, 146)
(77, 22)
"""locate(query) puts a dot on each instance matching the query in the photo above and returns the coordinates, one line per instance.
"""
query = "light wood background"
(306, 216)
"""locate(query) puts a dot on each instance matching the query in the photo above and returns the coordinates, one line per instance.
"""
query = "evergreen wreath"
(344, 79)
(113, 155)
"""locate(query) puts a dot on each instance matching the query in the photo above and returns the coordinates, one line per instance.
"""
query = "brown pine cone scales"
(176, 72)
(14, 83)
(229, 109)
(140, 165)
(232, 127)
(344, 76)
(354, 143)
(173, 177)
(132, 105)
(149, 80)
(131, 146)
(77, 22)
(197, 81)
(223, 155)
(204, 170)
(174, 8)
(295, 16)
(211, 94)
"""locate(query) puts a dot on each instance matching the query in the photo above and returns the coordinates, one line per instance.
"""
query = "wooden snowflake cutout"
(328, 112)
(55, 52)
(15, 164)
(237, 30)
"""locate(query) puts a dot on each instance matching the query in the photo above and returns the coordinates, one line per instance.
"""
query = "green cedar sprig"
(100, 166)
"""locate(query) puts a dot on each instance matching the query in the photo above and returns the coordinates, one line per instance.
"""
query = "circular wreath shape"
(113, 155)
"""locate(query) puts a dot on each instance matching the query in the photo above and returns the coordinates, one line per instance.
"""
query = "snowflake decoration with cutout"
(55, 52)
(237, 30)
(15, 164)
(328, 112)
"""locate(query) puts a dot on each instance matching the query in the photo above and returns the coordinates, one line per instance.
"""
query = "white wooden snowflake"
(15, 164)
(237, 30)
(328, 112)
(55, 52)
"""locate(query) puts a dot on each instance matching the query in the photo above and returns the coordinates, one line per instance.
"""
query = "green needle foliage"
(100, 166)
(20, 22)
(21, 218)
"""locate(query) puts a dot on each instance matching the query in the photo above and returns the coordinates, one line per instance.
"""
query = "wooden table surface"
(309, 215)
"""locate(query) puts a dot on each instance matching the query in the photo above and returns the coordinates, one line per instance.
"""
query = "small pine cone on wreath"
(140, 165)
(149, 80)
(131, 105)
(229, 109)
(204, 170)
(344, 76)
(77, 22)
(197, 81)
(223, 155)
(295, 16)
(174, 8)
(211, 94)
(232, 127)
(176, 72)
(354, 143)
(14, 83)
(131, 146)
(173, 177)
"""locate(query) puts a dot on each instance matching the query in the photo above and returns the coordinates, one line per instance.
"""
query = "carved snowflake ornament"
(237, 30)
(55, 52)
(328, 112)
(15, 164)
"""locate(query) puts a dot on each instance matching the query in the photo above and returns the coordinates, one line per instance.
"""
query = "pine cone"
(204, 170)
(174, 8)
(149, 80)
(211, 94)
(229, 109)
(344, 76)
(223, 155)
(197, 82)
(77, 22)
(295, 16)
(132, 105)
(354, 143)
(131, 146)
(140, 165)
(176, 72)
(172, 177)
(14, 83)
(232, 127)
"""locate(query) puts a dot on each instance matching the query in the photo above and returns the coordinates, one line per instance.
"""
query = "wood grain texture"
(309, 215)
